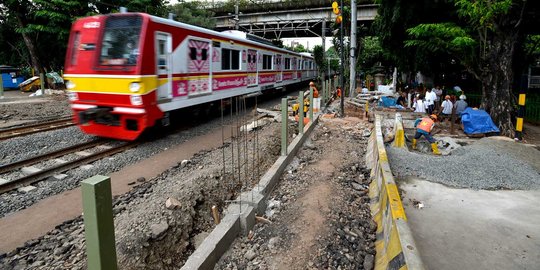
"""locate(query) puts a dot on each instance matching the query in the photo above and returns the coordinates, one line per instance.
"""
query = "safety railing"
(394, 245)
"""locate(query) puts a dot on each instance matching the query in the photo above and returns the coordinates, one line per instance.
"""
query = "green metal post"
(301, 113)
(98, 223)
(284, 117)
(323, 93)
(311, 104)
(42, 82)
(1, 87)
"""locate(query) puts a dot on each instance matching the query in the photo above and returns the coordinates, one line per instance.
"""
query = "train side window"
(235, 59)
(193, 53)
(75, 48)
(204, 55)
(230, 59)
(267, 61)
(287, 63)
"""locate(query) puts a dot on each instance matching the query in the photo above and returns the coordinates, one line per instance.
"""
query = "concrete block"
(83, 153)
(215, 244)
(60, 176)
(246, 214)
(26, 189)
(253, 199)
(3, 181)
(87, 167)
(30, 170)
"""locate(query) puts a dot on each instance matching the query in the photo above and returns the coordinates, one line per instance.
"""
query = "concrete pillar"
(301, 113)
(284, 117)
(98, 223)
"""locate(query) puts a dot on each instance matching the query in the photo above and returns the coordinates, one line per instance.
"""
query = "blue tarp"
(477, 121)
(387, 102)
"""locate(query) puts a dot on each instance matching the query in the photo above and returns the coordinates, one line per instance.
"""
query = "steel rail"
(35, 128)
(38, 176)
(61, 152)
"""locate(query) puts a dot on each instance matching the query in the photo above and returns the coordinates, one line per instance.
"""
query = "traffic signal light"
(335, 9)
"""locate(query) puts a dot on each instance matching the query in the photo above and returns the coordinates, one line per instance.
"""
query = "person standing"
(447, 106)
(419, 105)
(461, 105)
(316, 99)
(430, 100)
(424, 126)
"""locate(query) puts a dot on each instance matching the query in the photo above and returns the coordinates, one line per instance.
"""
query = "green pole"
(323, 95)
(284, 117)
(98, 223)
(1, 87)
(301, 113)
(311, 104)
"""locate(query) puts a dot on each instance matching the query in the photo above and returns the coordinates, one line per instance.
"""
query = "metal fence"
(532, 105)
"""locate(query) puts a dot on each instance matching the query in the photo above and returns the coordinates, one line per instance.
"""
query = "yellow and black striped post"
(521, 106)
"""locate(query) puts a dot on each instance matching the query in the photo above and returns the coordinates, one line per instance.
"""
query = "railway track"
(35, 128)
(48, 172)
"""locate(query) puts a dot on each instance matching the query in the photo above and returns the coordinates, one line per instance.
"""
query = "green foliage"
(483, 13)
(318, 54)
(371, 52)
(440, 37)
(190, 13)
(299, 48)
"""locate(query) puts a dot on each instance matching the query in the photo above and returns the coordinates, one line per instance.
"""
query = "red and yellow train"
(126, 71)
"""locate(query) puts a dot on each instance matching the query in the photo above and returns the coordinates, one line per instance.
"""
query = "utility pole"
(323, 47)
(236, 18)
(341, 69)
(353, 49)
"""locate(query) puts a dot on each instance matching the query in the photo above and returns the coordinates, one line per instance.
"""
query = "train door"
(279, 69)
(164, 65)
(294, 68)
(252, 67)
(199, 51)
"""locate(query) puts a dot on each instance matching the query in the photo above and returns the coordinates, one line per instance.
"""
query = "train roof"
(250, 39)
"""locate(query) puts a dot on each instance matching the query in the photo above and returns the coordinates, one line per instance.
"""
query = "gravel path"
(485, 164)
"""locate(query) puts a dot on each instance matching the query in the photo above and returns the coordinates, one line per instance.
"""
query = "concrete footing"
(239, 217)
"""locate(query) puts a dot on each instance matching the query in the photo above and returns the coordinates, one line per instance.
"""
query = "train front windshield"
(120, 43)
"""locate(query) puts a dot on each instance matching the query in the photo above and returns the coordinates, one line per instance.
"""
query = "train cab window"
(230, 59)
(120, 43)
(267, 62)
(75, 48)
(287, 63)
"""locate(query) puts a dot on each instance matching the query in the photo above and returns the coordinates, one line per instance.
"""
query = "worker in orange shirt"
(338, 91)
(424, 126)
(316, 99)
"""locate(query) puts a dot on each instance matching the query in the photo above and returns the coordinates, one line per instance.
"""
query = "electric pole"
(353, 49)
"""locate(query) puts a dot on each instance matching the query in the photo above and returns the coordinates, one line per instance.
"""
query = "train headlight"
(72, 96)
(70, 85)
(134, 87)
(136, 100)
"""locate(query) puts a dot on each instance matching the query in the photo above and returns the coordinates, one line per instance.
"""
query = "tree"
(190, 13)
(486, 46)
(371, 52)
(318, 55)
(485, 37)
(43, 27)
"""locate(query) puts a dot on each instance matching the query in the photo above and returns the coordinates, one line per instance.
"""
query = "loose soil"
(320, 210)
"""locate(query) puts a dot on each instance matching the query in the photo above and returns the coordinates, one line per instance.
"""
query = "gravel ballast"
(486, 164)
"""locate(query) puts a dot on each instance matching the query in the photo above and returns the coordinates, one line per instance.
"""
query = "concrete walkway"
(473, 229)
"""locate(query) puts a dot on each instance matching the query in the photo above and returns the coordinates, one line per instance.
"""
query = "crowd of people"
(437, 104)
(433, 101)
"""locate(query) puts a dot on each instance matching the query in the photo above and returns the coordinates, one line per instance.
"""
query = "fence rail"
(532, 106)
